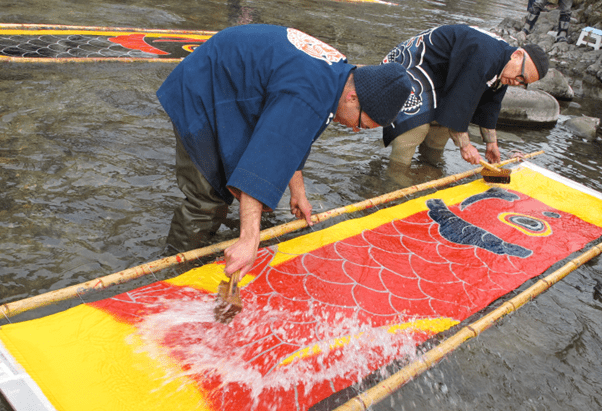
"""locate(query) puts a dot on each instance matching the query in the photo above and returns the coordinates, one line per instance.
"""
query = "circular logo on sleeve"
(314, 47)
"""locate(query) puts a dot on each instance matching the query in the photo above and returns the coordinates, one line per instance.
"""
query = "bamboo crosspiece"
(51, 297)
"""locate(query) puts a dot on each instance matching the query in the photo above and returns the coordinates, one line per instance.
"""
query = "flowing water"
(88, 187)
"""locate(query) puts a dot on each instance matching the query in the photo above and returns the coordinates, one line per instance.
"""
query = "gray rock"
(556, 84)
(584, 127)
(522, 107)
(578, 88)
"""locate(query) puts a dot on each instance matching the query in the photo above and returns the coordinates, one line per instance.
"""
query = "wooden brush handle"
(233, 282)
(489, 166)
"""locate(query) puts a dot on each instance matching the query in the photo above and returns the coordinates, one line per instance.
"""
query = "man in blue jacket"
(459, 75)
(246, 107)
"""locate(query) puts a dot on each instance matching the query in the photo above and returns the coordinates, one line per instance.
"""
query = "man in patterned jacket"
(459, 75)
(246, 107)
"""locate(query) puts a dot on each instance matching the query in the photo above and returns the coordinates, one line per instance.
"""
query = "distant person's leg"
(403, 148)
(534, 11)
(564, 20)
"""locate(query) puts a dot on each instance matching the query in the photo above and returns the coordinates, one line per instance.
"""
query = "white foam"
(187, 330)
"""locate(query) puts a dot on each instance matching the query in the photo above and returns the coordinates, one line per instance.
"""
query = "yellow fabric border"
(65, 354)
(550, 192)
(430, 326)
(206, 278)
(558, 195)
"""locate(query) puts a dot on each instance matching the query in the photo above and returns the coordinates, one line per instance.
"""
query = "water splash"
(268, 349)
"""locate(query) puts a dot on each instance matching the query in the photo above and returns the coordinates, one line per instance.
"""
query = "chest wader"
(200, 214)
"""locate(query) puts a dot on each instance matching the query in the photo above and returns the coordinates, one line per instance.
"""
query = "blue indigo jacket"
(249, 103)
(451, 69)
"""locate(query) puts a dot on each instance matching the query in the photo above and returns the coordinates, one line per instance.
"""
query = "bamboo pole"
(69, 60)
(26, 304)
(29, 27)
(384, 389)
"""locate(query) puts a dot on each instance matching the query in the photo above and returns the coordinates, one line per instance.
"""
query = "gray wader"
(430, 138)
(201, 213)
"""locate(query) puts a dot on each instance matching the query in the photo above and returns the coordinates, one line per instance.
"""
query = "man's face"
(350, 114)
(519, 71)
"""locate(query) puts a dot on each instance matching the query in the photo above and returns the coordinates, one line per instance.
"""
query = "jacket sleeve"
(279, 145)
(489, 107)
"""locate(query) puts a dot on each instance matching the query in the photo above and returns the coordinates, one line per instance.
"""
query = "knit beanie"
(539, 57)
(382, 90)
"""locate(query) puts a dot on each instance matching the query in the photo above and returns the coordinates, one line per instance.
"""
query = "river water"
(88, 187)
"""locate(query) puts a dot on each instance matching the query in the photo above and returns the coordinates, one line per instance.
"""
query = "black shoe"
(561, 39)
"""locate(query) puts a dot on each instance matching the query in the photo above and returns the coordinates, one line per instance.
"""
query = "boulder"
(584, 127)
(531, 108)
(556, 84)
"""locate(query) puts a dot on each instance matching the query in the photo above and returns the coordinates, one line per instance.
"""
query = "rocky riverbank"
(575, 71)
(582, 65)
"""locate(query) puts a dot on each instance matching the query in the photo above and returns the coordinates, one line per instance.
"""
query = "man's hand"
(490, 138)
(300, 206)
(468, 151)
(493, 153)
(242, 254)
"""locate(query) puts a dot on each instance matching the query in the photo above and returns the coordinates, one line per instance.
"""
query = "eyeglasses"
(522, 81)
(359, 119)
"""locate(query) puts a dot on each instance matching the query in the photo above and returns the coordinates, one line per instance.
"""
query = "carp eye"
(527, 224)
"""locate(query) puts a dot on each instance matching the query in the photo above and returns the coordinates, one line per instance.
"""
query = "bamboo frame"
(17, 307)
(384, 389)
(68, 60)
(18, 26)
